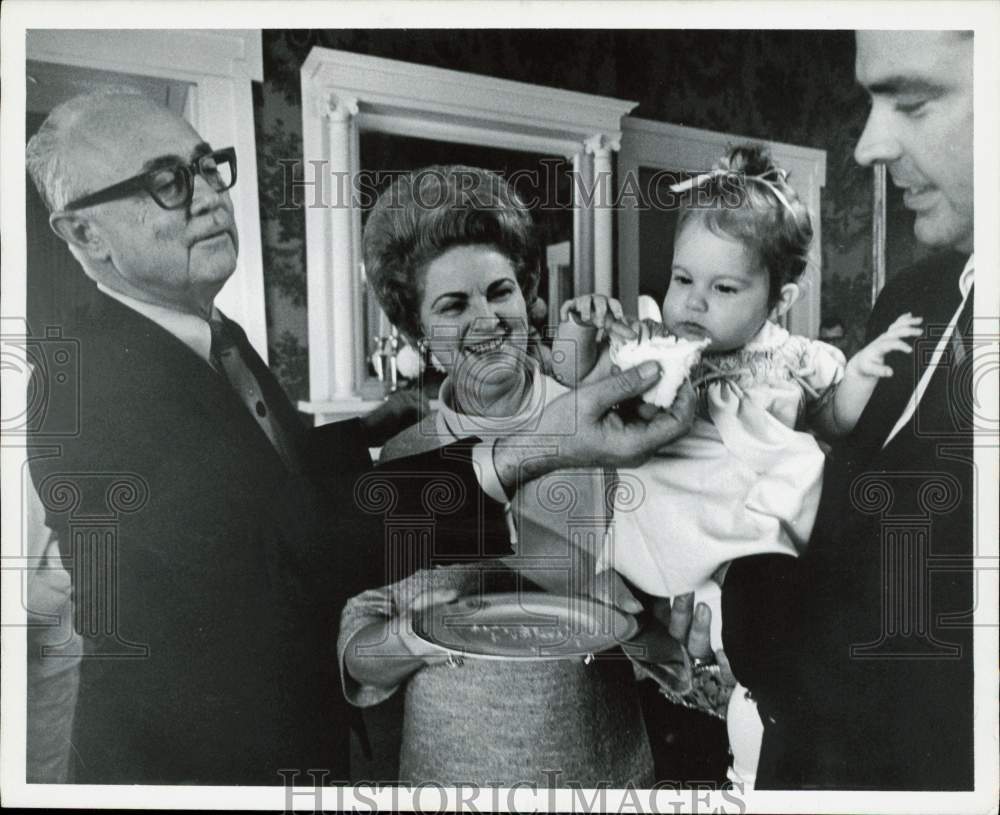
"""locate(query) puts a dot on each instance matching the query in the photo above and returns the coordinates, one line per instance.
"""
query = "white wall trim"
(398, 125)
(388, 84)
(220, 65)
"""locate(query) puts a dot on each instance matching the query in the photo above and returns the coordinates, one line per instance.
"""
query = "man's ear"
(79, 232)
(786, 299)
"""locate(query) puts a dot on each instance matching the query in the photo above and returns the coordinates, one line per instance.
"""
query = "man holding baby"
(849, 623)
(859, 653)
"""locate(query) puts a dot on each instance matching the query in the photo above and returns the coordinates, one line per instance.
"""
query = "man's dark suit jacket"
(208, 578)
(862, 679)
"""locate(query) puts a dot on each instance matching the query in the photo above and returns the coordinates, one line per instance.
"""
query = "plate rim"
(632, 628)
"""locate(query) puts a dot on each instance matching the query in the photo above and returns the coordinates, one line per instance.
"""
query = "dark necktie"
(222, 345)
(226, 359)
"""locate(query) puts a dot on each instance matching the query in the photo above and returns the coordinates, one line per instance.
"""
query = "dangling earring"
(424, 346)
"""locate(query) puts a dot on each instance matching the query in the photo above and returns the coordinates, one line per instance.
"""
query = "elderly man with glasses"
(209, 598)
(208, 613)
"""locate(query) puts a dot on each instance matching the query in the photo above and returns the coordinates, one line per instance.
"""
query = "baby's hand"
(647, 329)
(600, 312)
(869, 362)
(591, 309)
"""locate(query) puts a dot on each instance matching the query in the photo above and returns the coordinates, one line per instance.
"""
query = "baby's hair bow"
(733, 175)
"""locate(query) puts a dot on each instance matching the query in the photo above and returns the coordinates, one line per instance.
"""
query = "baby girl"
(746, 479)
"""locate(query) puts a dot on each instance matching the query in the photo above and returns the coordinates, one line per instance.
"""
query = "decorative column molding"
(339, 114)
(601, 147)
(335, 107)
(583, 224)
(330, 243)
(603, 143)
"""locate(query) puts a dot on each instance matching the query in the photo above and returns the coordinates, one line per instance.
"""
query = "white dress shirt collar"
(190, 329)
(968, 276)
(965, 281)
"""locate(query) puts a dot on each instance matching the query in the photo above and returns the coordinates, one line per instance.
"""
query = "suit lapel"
(282, 412)
(155, 354)
(944, 413)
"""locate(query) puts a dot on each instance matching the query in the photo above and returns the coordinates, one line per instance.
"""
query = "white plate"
(526, 625)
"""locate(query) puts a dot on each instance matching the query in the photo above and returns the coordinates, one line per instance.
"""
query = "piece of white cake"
(675, 355)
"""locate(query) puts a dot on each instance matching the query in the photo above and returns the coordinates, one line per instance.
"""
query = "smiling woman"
(451, 257)
(449, 252)
(475, 321)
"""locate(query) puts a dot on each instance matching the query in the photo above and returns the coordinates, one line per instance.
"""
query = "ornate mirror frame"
(344, 94)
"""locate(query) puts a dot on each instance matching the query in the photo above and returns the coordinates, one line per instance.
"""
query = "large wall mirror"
(362, 114)
(542, 181)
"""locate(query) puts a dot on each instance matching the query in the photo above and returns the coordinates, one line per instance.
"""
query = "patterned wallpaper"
(789, 86)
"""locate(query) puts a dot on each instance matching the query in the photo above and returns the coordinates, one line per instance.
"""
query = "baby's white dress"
(745, 480)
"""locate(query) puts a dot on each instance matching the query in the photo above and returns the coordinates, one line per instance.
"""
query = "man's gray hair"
(47, 157)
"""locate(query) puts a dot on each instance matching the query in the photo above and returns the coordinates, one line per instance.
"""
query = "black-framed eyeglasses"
(172, 186)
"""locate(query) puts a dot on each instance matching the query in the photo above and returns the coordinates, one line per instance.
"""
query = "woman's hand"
(418, 647)
(399, 410)
(385, 653)
(675, 650)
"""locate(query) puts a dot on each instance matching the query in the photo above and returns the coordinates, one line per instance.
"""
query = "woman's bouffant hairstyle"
(429, 211)
(743, 200)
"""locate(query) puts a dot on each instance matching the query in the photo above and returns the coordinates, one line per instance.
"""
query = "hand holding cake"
(676, 357)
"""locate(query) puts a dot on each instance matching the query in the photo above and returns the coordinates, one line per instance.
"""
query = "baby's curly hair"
(422, 215)
(777, 232)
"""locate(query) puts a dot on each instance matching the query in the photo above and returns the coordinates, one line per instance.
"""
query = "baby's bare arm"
(840, 414)
(574, 352)
(583, 323)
